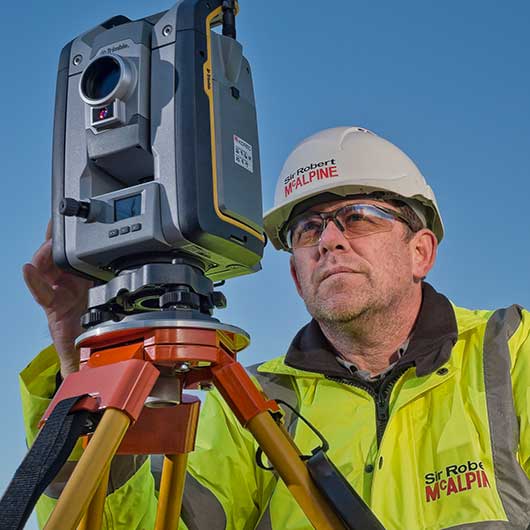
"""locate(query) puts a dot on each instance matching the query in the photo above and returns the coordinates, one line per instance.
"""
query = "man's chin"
(338, 313)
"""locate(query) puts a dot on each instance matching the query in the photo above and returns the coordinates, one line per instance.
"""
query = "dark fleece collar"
(434, 335)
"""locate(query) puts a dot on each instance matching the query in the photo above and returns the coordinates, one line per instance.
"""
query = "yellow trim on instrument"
(208, 88)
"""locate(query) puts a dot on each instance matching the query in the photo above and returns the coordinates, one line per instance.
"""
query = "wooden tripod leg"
(283, 455)
(171, 491)
(253, 411)
(89, 471)
(94, 515)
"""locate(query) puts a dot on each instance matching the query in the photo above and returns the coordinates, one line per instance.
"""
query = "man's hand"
(63, 297)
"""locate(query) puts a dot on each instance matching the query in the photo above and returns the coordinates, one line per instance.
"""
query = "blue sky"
(448, 82)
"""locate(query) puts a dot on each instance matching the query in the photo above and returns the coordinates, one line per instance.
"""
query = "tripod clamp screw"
(180, 299)
(218, 299)
(95, 317)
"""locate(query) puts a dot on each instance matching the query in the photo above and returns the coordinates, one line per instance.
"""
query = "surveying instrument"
(156, 196)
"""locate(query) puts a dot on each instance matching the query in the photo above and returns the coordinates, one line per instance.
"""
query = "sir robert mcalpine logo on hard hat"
(315, 171)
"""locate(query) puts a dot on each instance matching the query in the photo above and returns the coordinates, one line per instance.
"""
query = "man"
(425, 405)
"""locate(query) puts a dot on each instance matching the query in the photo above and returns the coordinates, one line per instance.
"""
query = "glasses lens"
(354, 220)
(363, 220)
(305, 232)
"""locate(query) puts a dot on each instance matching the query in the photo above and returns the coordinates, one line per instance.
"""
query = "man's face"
(342, 279)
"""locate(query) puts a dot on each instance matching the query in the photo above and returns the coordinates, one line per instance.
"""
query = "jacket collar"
(434, 335)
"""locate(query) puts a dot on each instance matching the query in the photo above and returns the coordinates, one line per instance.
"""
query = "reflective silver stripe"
(512, 483)
(265, 521)
(278, 386)
(488, 525)
(200, 508)
(55, 488)
(157, 461)
(123, 467)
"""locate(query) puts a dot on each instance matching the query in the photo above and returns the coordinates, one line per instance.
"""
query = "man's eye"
(309, 226)
(354, 217)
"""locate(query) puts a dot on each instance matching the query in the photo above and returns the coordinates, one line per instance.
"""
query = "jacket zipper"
(381, 398)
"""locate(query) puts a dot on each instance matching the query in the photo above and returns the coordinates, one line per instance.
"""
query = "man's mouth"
(335, 270)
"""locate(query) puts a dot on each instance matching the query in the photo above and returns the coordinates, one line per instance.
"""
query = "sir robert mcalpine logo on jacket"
(455, 479)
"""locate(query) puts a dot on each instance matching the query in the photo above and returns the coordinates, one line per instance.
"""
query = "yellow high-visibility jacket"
(442, 442)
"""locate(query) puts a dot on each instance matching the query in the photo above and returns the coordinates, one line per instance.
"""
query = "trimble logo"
(114, 49)
(455, 479)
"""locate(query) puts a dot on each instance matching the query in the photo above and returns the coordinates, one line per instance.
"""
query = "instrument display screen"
(127, 207)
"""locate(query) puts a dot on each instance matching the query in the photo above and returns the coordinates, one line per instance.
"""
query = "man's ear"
(423, 247)
(294, 274)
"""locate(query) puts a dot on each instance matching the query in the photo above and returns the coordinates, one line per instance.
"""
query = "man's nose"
(332, 238)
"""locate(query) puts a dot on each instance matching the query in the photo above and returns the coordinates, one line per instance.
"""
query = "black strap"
(43, 461)
(346, 502)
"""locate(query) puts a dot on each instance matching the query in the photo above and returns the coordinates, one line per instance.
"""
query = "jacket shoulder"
(514, 318)
(508, 325)
(468, 319)
(275, 379)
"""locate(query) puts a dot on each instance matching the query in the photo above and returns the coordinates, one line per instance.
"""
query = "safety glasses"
(353, 220)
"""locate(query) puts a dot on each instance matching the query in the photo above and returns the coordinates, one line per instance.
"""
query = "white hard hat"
(347, 161)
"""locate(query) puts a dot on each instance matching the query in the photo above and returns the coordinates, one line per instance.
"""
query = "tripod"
(128, 397)
(152, 361)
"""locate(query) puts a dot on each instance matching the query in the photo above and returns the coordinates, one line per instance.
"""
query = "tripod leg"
(283, 455)
(94, 515)
(89, 471)
(171, 490)
(252, 409)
